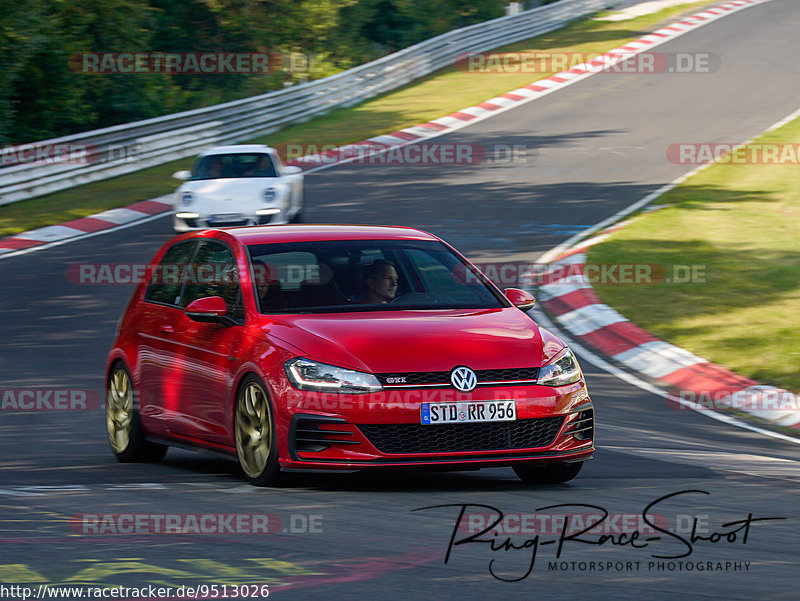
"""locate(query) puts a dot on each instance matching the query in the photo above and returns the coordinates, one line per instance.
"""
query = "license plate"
(466, 412)
(224, 218)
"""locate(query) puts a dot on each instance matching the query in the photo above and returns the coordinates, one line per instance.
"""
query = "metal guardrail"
(121, 149)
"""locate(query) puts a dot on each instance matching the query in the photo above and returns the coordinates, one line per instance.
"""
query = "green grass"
(741, 224)
(439, 94)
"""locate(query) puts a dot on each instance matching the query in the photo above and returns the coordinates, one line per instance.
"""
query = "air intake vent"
(313, 434)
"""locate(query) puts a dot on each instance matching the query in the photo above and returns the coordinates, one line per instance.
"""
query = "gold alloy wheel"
(253, 429)
(119, 410)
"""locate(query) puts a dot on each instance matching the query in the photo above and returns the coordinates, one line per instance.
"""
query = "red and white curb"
(141, 211)
(86, 226)
(693, 381)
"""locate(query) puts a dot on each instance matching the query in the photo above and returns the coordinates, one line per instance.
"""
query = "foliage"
(45, 93)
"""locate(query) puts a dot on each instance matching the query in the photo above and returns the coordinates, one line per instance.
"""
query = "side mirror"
(519, 298)
(291, 170)
(182, 175)
(209, 309)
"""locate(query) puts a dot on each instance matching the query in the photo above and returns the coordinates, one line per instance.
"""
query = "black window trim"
(240, 295)
(197, 244)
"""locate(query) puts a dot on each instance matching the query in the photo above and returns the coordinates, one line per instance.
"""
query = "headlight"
(187, 198)
(306, 374)
(564, 370)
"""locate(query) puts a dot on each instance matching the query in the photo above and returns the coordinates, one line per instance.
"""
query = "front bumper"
(200, 222)
(372, 431)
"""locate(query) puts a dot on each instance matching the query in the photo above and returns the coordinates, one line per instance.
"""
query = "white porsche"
(246, 184)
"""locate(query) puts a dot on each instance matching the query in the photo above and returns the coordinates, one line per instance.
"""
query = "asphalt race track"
(593, 149)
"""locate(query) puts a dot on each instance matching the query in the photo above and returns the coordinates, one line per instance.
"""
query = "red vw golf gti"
(340, 347)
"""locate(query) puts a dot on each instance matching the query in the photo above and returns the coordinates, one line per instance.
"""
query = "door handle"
(167, 329)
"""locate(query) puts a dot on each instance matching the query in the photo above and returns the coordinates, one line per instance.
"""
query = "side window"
(213, 272)
(165, 286)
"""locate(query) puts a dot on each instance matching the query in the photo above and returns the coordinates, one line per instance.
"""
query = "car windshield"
(366, 275)
(221, 166)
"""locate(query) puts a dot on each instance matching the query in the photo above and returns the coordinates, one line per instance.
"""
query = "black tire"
(253, 422)
(125, 433)
(298, 217)
(551, 473)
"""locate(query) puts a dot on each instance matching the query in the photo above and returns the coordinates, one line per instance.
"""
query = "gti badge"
(463, 379)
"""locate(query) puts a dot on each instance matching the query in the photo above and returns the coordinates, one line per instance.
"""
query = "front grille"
(442, 378)
(504, 375)
(416, 378)
(417, 438)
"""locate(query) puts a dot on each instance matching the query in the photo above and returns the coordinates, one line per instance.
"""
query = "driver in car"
(381, 279)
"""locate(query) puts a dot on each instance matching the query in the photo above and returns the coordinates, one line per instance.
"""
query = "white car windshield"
(234, 165)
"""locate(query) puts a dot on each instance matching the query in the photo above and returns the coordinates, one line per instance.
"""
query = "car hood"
(407, 341)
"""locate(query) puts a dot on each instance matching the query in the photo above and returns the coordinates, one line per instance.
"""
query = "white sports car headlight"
(562, 370)
(306, 374)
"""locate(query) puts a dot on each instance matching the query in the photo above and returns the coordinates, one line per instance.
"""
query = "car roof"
(236, 149)
(269, 234)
